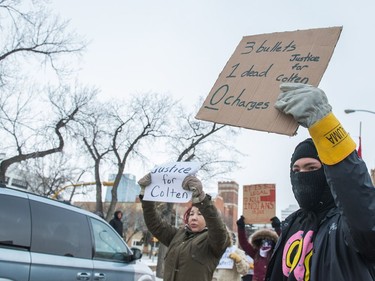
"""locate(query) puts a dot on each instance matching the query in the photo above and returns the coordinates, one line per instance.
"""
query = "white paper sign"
(225, 261)
(166, 182)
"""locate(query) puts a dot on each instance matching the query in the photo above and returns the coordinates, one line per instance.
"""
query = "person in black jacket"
(276, 225)
(116, 223)
(332, 236)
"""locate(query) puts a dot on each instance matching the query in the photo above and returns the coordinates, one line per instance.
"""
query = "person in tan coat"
(194, 250)
(240, 266)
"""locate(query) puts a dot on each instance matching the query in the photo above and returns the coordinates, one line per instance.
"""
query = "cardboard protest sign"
(259, 203)
(166, 182)
(246, 90)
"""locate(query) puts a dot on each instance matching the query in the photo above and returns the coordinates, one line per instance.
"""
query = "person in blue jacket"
(332, 236)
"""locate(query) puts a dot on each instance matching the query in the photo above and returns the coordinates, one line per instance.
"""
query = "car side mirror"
(137, 254)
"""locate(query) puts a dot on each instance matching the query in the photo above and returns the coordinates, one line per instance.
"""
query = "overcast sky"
(180, 47)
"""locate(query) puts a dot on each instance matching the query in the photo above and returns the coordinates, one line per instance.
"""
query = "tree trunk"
(99, 199)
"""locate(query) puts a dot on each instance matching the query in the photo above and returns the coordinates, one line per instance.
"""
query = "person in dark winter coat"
(194, 251)
(332, 236)
(116, 223)
(260, 248)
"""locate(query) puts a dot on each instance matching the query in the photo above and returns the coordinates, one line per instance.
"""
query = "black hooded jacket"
(117, 224)
(344, 239)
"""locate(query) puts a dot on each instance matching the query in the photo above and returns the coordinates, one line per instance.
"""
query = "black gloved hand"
(241, 223)
(275, 222)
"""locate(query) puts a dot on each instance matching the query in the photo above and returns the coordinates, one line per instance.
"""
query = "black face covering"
(311, 189)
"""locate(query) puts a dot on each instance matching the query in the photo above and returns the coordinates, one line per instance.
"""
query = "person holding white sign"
(233, 264)
(332, 236)
(194, 251)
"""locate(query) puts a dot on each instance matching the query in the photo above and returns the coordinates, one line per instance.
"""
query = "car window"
(59, 231)
(15, 227)
(108, 244)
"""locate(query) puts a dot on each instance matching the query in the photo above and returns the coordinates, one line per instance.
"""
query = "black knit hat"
(304, 149)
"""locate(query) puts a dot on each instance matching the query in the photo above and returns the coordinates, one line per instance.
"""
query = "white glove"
(143, 182)
(306, 103)
(193, 184)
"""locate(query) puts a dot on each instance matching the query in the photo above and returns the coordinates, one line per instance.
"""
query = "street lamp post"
(368, 111)
(355, 110)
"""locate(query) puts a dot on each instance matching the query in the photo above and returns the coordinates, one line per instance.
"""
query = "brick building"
(228, 191)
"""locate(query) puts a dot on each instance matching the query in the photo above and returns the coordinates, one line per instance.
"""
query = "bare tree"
(97, 136)
(48, 176)
(209, 143)
(29, 133)
(35, 47)
(113, 134)
(146, 119)
(32, 35)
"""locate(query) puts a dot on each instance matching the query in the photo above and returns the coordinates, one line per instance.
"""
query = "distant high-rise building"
(286, 212)
(228, 190)
(127, 190)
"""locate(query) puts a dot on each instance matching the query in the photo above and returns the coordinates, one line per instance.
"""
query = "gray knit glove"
(143, 182)
(193, 184)
(306, 103)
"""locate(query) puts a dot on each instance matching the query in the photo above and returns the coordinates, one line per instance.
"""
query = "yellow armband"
(331, 140)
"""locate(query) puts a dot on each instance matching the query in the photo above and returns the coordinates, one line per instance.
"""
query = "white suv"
(42, 240)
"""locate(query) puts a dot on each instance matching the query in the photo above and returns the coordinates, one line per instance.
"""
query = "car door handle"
(83, 276)
(99, 276)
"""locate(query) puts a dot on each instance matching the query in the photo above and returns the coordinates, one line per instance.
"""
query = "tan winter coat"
(235, 273)
(190, 256)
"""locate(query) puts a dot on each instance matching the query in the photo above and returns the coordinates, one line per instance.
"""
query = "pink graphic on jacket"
(297, 255)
